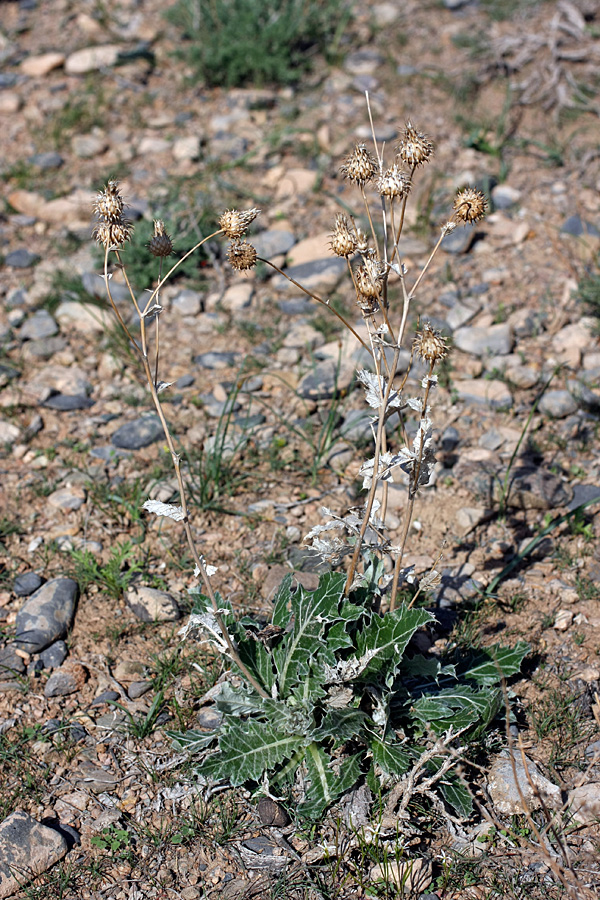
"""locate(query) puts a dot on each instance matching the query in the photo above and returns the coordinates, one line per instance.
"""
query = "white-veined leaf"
(501, 662)
(164, 509)
(386, 638)
(391, 758)
(248, 750)
(325, 785)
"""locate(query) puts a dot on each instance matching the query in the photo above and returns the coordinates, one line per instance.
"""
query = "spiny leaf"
(282, 612)
(249, 749)
(421, 667)
(386, 638)
(497, 662)
(460, 707)
(325, 785)
(456, 794)
(312, 612)
(391, 758)
(192, 740)
(341, 725)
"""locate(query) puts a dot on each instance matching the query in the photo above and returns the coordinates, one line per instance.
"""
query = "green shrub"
(236, 42)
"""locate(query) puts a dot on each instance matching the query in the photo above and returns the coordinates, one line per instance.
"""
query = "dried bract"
(414, 148)
(469, 206)
(112, 234)
(241, 255)
(393, 183)
(109, 203)
(161, 244)
(235, 222)
(370, 278)
(430, 345)
(343, 237)
(360, 167)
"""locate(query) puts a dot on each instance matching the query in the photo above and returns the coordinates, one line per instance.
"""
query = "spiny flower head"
(393, 183)
(161, 244)
(109, 203)
(241, 255)
(112, 234)
(343, 237)
(360, 167)
(414, 148)
(235, 222)
(370, 277)
(430, 345)
(469, 206)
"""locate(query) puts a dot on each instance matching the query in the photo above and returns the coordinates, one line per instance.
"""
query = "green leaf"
(420, 667)
(497, 662)
(456, 794)
(325, 786)
(312, 612)
(248, 749)
(282, 611)
(460, 707)
(192, 740)
(391, 758)
(342, 725)
(386, 637)
(256, 657)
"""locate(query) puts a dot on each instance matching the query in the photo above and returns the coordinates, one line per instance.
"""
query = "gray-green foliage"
(236, 42)
(344, 700)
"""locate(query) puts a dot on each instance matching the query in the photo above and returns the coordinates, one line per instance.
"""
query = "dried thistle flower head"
(362, 241)
(393, 183)
(430, 345)
(343, 237)
(241, 255)
(414, 148)
(360, 167)
(161, 244)
(469, 206)
(370, 278)
(235, 222)
(109, 203)
(112, 234)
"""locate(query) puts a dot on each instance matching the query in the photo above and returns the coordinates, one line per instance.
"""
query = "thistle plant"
(325, 694)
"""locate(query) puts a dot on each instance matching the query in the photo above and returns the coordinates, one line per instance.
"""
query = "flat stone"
(129, 670)
(484, 392)
(216, 360)
(26, 583)
(458, 241)
(85, 317)
(45, 348)
(522, 376)
(584, 395)
(92, 58)
(238, 296)
(21, 259)
(493, 341)
(87, 146)
(504, 196)
(38, 326)
(275, 242)
(320, 276)
(105, 697)
(47, 615)
(67, 679)
(10, 102)
(68, 402)
(504, 793)
(557, 404)
(137, 434)
(38, 66)
(357, 426)
(98, 780)
(187, 147)
(137, 689)
(9, 433)
(461, 313)
(187, 302)
(54, 655)
(582, 493)
(537, 488)
(578, 227)
(303, 335)
(68, 498)
(469, 517)
(325, 380)
(563, 619)
(50, 159)
(11, 664)
(151, 605)
(584, 803)
(27, 849)
(63, 379)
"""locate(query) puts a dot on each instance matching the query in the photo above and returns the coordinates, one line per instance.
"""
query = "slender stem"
(373, 232)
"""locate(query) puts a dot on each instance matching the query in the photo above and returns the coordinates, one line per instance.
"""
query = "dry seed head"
(469, 206)
(414, 148)
(109, 203)
(241, 255)
(343, 237)
(362, 241)
(235, 222)
(112, 234)
(430, 344)
(369, 278)
(393, 183)
(360, 167)
(161, 244)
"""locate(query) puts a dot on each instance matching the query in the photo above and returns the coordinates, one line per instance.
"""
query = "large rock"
(584, 803)
(47, 615)
(137, 434)
(504, 792)
(27, 849)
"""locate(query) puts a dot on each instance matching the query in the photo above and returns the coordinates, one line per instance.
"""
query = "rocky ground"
(273, 426)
